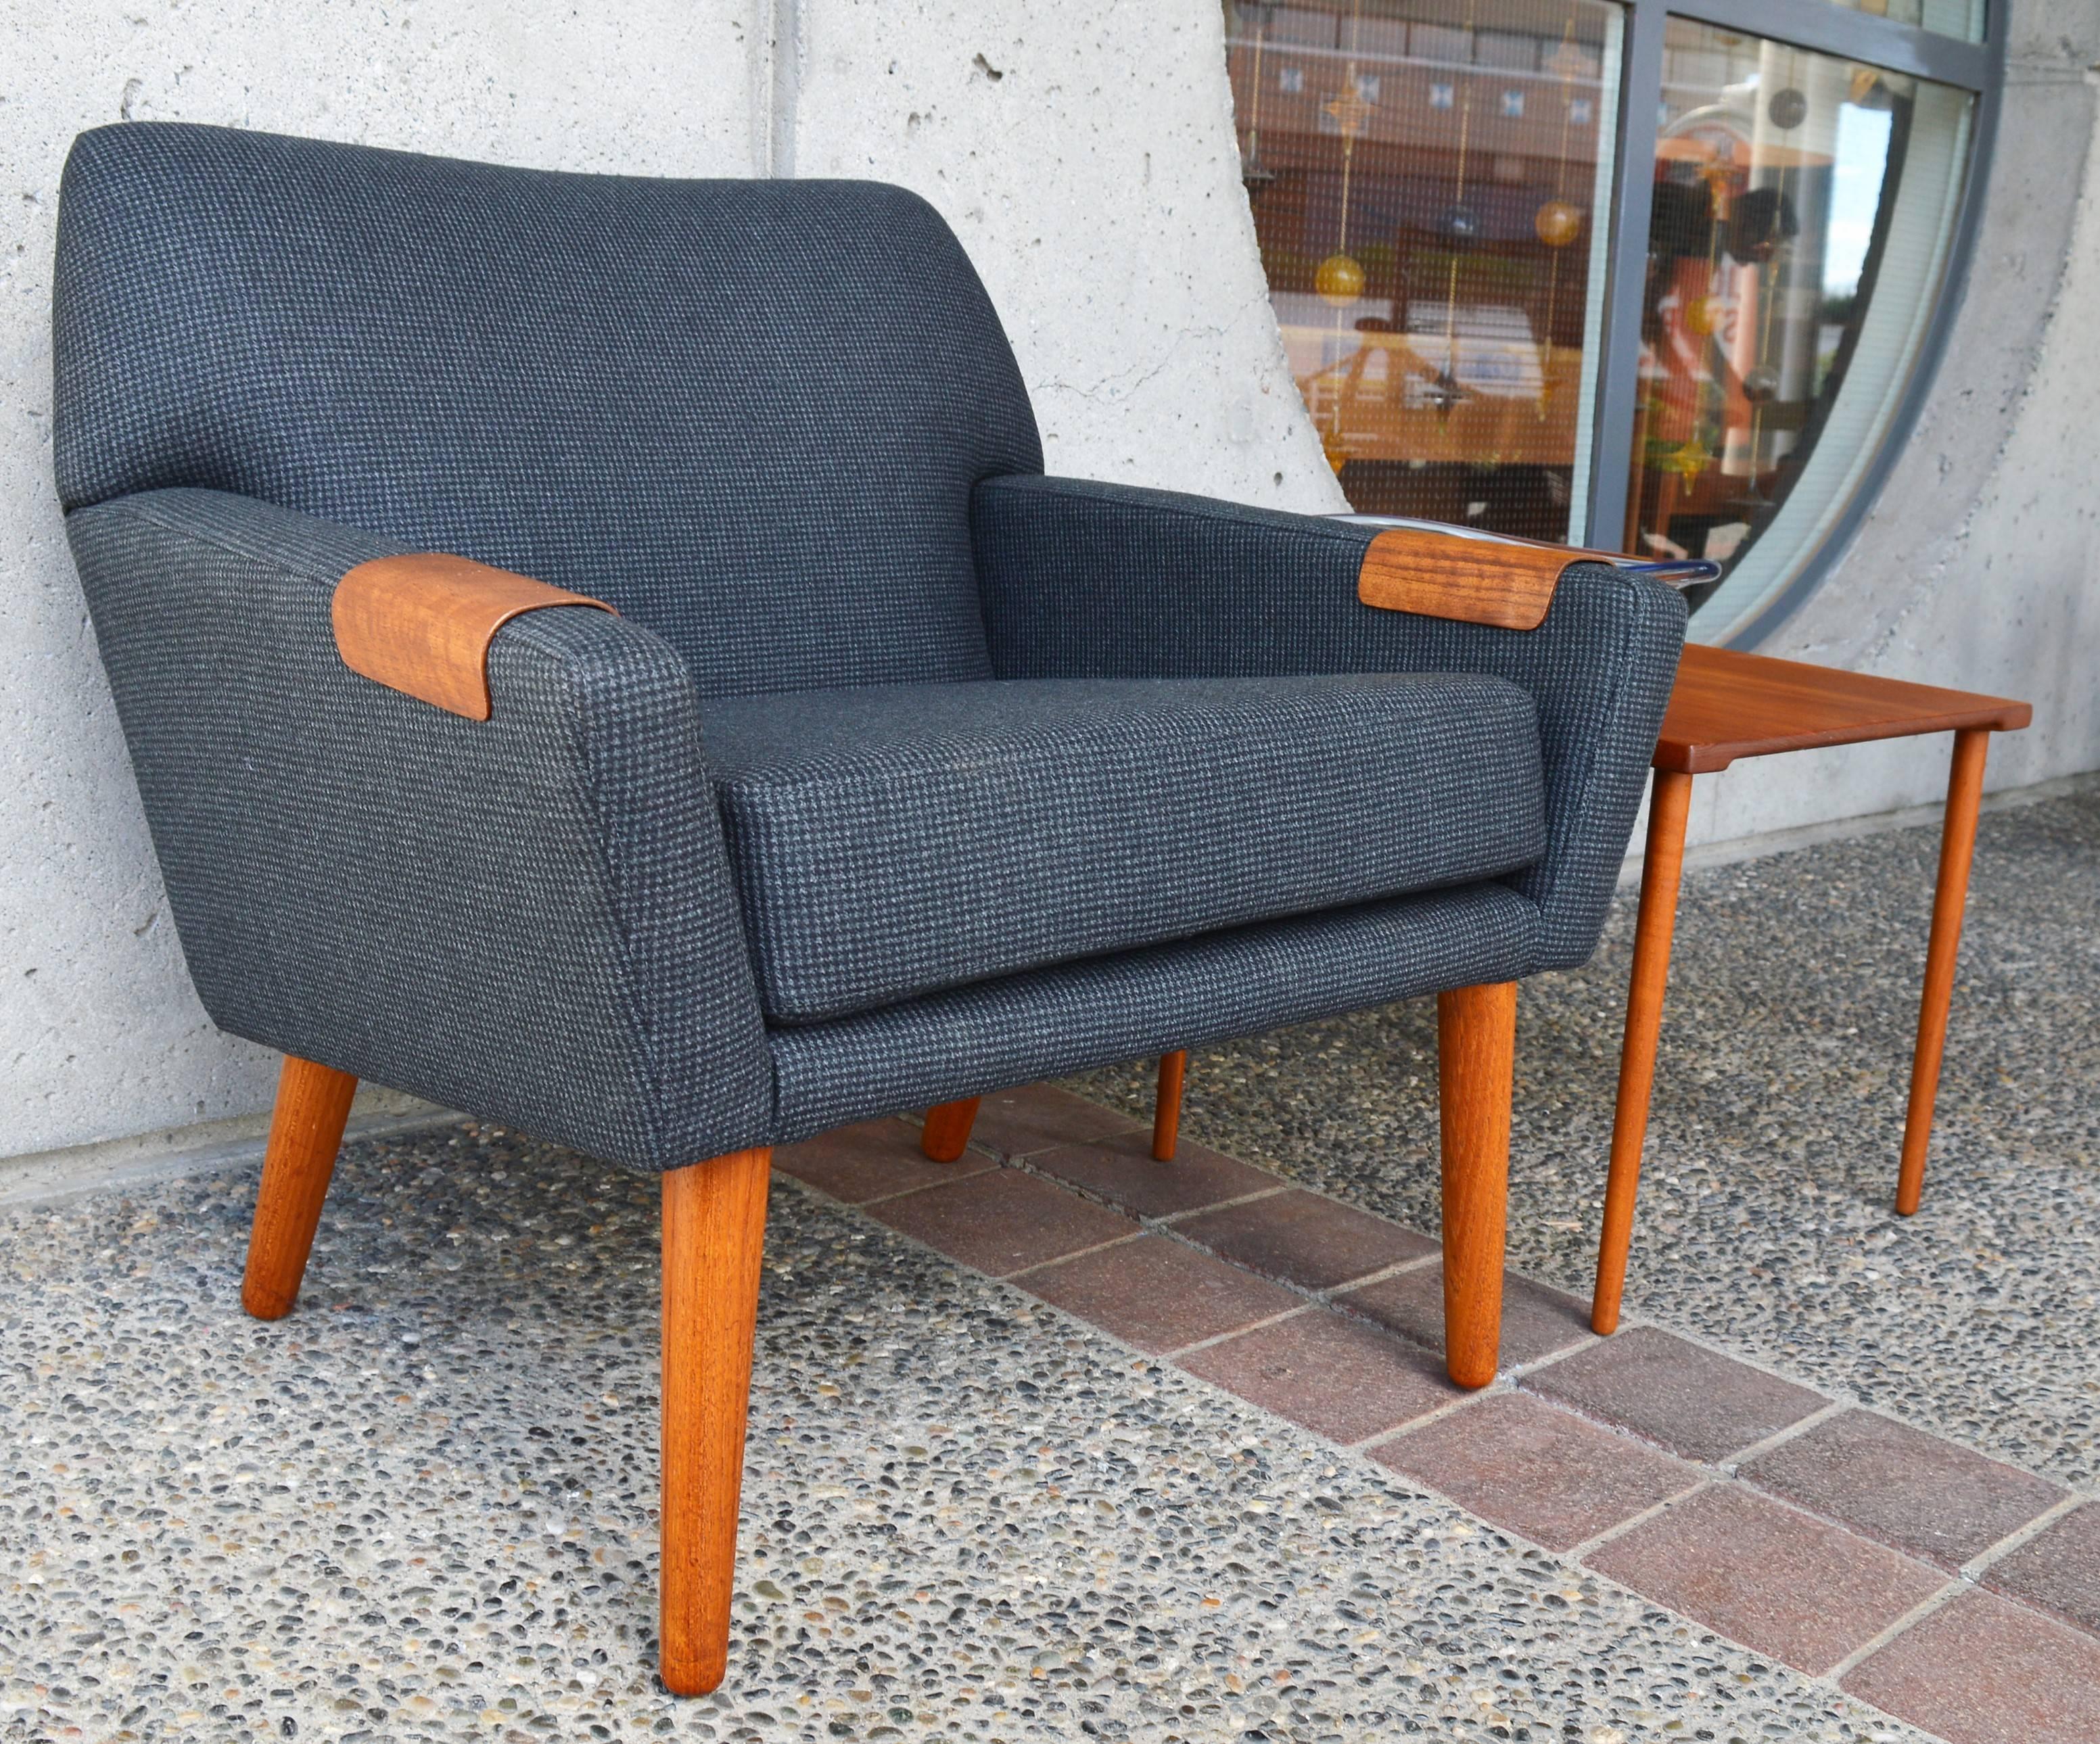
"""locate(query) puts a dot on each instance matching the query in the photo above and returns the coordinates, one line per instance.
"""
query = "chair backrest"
(746, 414)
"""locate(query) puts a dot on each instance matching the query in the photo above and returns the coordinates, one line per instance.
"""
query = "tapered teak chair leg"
(714, 1235)
(947, 1131)
(1476, 1056)
(306, 1132)
(1166, 1105)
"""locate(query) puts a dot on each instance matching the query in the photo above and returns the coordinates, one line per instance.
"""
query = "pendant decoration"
(1339, 280)
(1558, 223)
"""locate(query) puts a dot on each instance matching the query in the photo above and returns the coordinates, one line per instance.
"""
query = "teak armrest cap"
(421, 624)
(1507, 583)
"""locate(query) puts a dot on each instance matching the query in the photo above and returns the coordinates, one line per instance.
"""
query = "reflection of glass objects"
(1795, 251)
(1452, 151)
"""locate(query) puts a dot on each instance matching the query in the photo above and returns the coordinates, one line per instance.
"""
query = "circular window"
(1603, 272)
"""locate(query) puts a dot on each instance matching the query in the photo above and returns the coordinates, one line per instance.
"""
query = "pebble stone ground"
(423, 1507)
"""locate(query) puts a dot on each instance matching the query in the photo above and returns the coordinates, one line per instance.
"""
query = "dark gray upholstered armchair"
(898, 772)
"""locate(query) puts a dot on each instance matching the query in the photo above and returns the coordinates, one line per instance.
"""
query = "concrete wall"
(1085, 157)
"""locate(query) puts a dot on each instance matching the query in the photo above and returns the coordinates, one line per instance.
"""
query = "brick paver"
(1984, 1671)
(1039, 1117)
(1691, 1400)
(1831, 1538)
(1537, 1469)
(1907, 1489)
(1159, 1294)
(1780, 1581)
(2058, 1569)
(871, 1160)
(1339, 1378)
(1305, 1239)
(1122, 1170)
(1536, 1321)
(1002, 1221)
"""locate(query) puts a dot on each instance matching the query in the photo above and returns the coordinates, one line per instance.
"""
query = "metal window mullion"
(1640, 99)
(1856, 36)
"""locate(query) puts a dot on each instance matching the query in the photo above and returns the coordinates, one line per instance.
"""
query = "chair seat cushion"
(891, 840)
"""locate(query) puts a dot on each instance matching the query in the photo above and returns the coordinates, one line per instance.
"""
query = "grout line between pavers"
(1168, 1224)
(1067, 1144)
(1974, 1569)
(1733, 1464)
(1450, 1408)
(1518, 1370)
(927, 1187)
(1701, 1481)
(1077, 1254)
(1224, 1205)
(1925, 1608)
(1394, 1270)
(1175, 1355)
(1159, 1223)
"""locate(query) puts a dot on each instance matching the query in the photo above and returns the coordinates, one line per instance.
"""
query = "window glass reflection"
(1803, 206)
(1430, 186)
(1949, 18)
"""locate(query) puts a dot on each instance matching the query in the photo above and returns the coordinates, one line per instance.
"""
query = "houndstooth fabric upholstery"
(1105, 581)
(746, 414)
(528, 917)
(1139, 1003)
(893, 839)
(777, 426)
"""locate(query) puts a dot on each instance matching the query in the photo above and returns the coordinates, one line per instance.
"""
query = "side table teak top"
(1728, 705)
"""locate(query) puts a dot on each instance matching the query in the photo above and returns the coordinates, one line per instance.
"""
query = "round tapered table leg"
(1957, 846)
(1669, 804)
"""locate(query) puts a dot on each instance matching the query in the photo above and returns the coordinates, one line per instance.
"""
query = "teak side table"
(1728, 705)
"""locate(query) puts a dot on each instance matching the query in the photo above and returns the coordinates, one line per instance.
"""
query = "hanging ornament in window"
(1558, 223)
(1788, 108)
(1761, 385)
(1339, 280)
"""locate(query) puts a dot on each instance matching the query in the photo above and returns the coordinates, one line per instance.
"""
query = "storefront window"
(1428, 185)
(1434, 185)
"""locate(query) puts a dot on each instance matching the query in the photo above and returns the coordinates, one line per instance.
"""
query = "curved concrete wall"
(1085, 157)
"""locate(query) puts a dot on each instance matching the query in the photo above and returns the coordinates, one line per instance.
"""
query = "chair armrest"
(1443, 572)
(1082, 579)
(528, 917)
(422, 624)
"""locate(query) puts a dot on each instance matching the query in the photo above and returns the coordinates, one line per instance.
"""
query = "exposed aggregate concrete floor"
(423, 1507)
